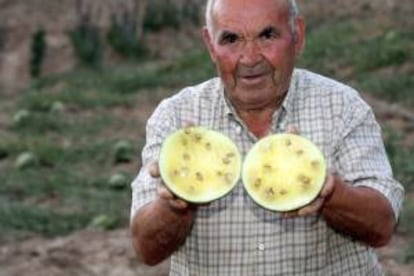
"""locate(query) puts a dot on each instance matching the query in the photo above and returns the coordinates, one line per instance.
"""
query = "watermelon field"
(70, 141)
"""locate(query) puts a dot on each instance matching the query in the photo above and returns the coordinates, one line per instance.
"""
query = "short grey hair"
(293, 12)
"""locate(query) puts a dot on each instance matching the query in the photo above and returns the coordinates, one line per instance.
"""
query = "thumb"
(292, 129)
(154, 170)
(188, 124)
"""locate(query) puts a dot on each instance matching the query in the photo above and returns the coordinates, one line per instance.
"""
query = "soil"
(85, 253)
(109, 253)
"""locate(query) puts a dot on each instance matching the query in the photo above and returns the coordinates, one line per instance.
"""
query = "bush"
(2, 38)
(87, 43)
(167, 14)
(38, 50)
(122, 36)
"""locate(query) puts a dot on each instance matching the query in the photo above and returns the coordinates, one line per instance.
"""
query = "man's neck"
(258, 122)
(259, 119)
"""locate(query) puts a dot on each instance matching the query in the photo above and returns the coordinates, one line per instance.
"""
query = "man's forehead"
(228, 6)
(243, 13)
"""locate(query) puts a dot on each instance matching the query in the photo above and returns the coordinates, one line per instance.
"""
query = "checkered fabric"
(233, 235)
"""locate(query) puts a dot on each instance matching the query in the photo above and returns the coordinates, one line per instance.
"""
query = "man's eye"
(229, 38)
(269, 33)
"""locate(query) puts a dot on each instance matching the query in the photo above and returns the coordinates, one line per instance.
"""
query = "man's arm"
(360, 212)
(365, 200)
(365, 206)
(158, 229)
(161, 226)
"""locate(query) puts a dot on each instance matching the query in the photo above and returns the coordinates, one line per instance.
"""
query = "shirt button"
(261, 247)
(239, 129)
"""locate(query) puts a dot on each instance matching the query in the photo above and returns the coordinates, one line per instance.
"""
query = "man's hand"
(315, 206)
(164, 193)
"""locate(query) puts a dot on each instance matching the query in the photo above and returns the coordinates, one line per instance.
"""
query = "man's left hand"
(316, 205)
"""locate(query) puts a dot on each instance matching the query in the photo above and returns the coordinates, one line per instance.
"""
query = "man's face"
(254, 50)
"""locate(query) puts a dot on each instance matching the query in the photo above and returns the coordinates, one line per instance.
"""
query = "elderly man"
(254, 45)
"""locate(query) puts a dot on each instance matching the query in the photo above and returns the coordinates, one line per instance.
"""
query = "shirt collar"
(228, 107)
(287, 103)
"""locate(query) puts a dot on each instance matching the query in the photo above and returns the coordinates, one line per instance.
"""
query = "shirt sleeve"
(361, 157)
(144, 187)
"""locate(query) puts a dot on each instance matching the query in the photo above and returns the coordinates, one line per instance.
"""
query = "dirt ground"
(85, 253)
(93, 253)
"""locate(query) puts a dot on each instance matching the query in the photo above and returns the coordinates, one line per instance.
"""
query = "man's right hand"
(164, 193)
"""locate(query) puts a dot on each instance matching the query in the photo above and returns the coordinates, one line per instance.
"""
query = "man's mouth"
(252, 76)
(252, 79)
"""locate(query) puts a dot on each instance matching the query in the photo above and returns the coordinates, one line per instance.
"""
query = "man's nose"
(251, 54)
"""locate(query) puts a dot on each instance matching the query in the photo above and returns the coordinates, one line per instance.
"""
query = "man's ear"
(300, 35)
(208, 41)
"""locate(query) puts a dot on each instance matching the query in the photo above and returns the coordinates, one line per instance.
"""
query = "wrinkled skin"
(254, 50)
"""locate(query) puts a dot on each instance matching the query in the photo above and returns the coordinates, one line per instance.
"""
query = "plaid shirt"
(233, 235)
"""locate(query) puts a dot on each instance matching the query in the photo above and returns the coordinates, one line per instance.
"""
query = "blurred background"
(79, 78)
